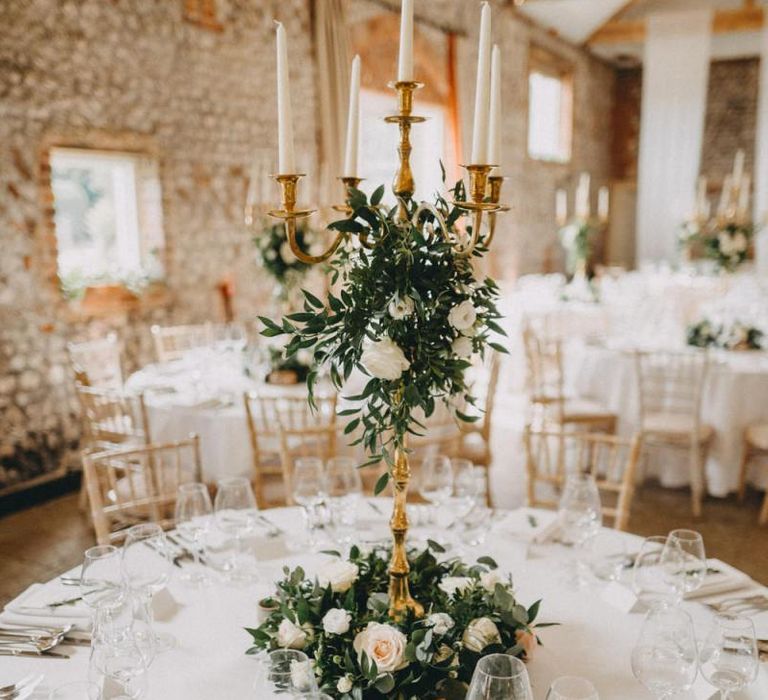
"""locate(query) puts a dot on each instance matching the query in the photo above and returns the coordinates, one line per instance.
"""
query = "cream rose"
(344, 684)
(336, 621)
(489, 579)
(400, 308)
(301, 675)
(480, 633)
(338, 574)
(384, 359)
(453, 584)
(740, 242)
(462, 347)
(462, 316)
(726, 244)
(290, 636)
(383, 644)
(440, 622)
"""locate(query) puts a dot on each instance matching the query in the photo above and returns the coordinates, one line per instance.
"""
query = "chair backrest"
(112, 417)
(173, 342)
(484, 391)
(129, 486)
(97, 362)
(440, 434)
(544, 363)
(295, 443)
(671, 383)
(550, 455)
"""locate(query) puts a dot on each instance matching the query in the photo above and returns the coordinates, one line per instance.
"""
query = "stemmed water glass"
(572, 688)
(654, 580)
(436, 482)
(664, 658)
(500, 677)
(580, 515)
(119, 668)
(193, 521)
(344, 489)
(285, 672)
(147, 563)
(236, 514)
(728, 656)
(102, 584)
(684, 554)
(309, 489)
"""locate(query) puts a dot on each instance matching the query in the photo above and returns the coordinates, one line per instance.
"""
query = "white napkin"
(532, 525)
(727, 579)
(38, 597)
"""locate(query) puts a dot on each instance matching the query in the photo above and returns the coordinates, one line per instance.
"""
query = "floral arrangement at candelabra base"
(577, 239)
(278, 260)
(689, 238)
(729, 336)
(728, 245)
(581, 289)
(340, 620)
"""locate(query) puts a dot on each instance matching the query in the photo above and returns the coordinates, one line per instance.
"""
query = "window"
(108, 218)
(550, 109)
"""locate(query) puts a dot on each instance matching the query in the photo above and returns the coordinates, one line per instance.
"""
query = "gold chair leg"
(743, 472)
(695, 467)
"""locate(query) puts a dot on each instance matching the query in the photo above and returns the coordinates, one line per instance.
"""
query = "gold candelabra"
(484, 198)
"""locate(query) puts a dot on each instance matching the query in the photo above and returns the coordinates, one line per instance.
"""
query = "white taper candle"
(582, 197)
(561, 207)
(738, 166)
(482, 90)
(405, 59)
(494, 122)
(603, 199)
(353, 122)
(286, 163)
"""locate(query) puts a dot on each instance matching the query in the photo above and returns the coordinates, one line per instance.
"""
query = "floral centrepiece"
(728, 244)
(728, 336)
(577, 239)
(278, 260)
(340, 620)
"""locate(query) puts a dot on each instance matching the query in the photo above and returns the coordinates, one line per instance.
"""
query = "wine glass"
(119, 669)
(664, 657)
(500, 677)
(285, 672)
(309, 489)
(728, 657)
(684, 553)
(193, 521)
(654, 579)
(102, 585)
(147, 563)
(607, 555)
(466, 486)
(344, 489)
(572, 688)
(436, 482)
(581, 516)
(237, 515)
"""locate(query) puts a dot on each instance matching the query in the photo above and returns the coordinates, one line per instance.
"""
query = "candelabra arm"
(477, 203)
(494, 196)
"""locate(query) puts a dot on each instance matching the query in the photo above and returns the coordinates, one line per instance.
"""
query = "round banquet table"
(735, 396)
(593, 639)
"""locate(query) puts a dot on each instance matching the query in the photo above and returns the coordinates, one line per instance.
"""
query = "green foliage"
(728, 245)
(733, 336)
(276, 257)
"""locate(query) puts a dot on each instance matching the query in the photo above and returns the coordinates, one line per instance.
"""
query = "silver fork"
(28, 683)
(11, 687)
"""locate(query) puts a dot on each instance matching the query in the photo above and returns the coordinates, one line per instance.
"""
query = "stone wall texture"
(129, 72)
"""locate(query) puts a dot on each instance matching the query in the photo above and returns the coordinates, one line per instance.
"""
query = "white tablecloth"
(735, 395)
(593, 640)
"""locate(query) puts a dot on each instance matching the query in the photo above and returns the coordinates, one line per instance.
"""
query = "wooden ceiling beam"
(744, 19)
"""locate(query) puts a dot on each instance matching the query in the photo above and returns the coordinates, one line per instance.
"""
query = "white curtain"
(761, 161)
(675, 74)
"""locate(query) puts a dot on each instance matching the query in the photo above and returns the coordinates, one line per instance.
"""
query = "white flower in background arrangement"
(290, 636)
(344, 684)
(304, 357)
(462, 316)
(480, 633)
(453, 584)
(384, 359)
(440, 622)
(270, 254)
(725, 244)
(462, 347)
(286, 253)
(740, 242)
(400, 308)
(336, 621)
(383, 644)
(301, 674)
(338, 574)
(489, 579)
(568, 235)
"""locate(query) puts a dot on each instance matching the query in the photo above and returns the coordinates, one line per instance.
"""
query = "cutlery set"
(22, 688)
(38, 641)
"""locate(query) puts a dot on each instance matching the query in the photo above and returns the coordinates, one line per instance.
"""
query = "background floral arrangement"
(728, 245)
(577, 240)
(732, 336)
(277, 258)
(340, 620)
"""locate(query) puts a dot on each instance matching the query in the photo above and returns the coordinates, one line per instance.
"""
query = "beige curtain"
(333, 63)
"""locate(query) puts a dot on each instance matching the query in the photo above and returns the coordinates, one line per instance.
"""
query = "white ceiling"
(573, 19)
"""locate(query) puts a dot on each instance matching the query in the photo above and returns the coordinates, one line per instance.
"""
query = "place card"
(621, 598)
(164, 606)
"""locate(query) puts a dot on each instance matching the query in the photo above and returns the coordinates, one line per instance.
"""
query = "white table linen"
(593, 639)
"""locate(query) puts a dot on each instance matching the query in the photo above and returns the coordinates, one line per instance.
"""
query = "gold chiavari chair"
(546, 384)
(476, 437)
(97, 362)
(173, 342)
(130, 486)
(755, 443)
(549, 455)
(670, 387)
(112, 418)
(266, 415)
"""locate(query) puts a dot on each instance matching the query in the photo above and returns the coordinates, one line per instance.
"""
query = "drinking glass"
(119, 669)
(728, 657)
(607, 555)
(580, 515)
(309, 488)
(79, 690)
(466, 487)
(285, 672)
(193, 521)
(102, 585)
(344, 488)
(436, 482)
(654, 580)
(684, 553)
(664, 657)
(237, 515)
(572, 688)
(500, 677)
(147, 564)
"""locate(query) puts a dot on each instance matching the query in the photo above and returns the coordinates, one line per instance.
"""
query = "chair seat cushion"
(757, 436)
(674, 426)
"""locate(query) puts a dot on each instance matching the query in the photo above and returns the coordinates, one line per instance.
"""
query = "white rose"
(489, 579)
(384, 359)
(400, 308)
(480, 633)
(286, 253)
(338, 574)
(453, 584)
(740, 242)
(290, 636)
(383, 644)
(270, 254)
(336, 621)
(344, 684)
(304, 357)
(440, 622)
(462, 316)
(568, 235)
(725, 244)
(301, 675)
(462, 347)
